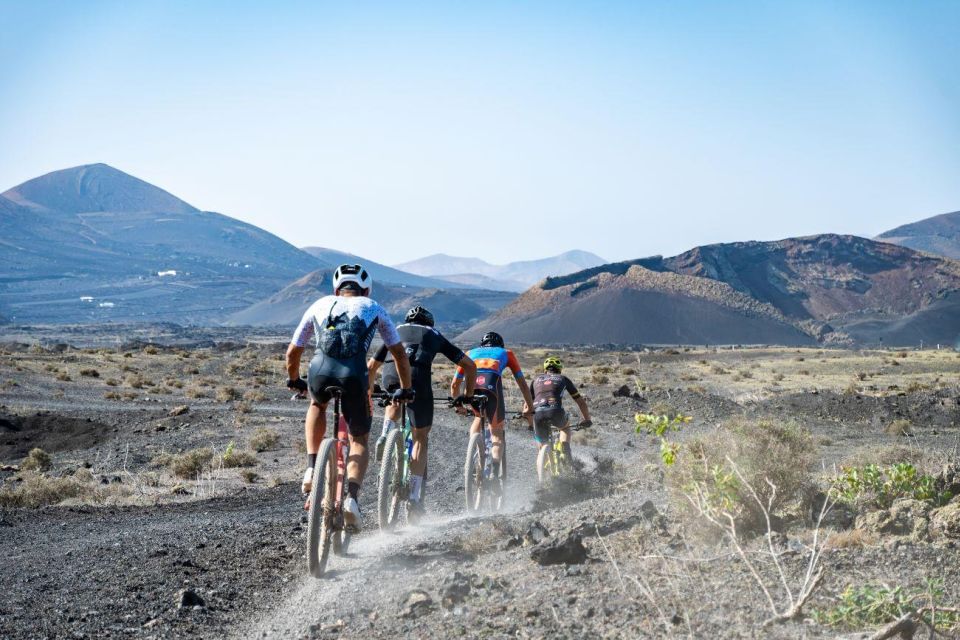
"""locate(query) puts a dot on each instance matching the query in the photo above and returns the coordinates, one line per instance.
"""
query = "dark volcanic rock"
(567, 551)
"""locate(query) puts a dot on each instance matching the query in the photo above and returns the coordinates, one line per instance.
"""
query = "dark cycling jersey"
(422, 345)
(547, 390)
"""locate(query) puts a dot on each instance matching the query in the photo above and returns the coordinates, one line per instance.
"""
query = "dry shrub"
(227, 394)
(244, 407)
(129, 395)
(37, 490)
(628, 371)
(900, 428)
(901, 354)
(264, 439)
(111, 395)
(851, 539)
(252, 395)
(717, 369)
(599, 378)
(886, 456)
(195, 392)
(63, 376)
(187, 464)
(778, 377)
(36, 460)
(150, 350)
(232, 458)
(135, 381)
(89, 373)
(249, 476)
(762, 452)
(111, 382)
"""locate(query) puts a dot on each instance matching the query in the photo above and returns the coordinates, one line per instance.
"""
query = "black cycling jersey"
(422, 345)
(547, 390)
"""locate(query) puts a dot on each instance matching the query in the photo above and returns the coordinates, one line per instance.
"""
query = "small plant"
(111, 395)
(659, 426)
(717, 369)
(111, 382)
(135, 381)
(244, 407)
(900, 427)
(227, 394)
(232, 458)
(599, 378)
(36, 460)
(264, 439)
(249, 476)
(778, 377)
(195, 392)
(63, 376)
(253, 395)
(89, 373)
(150, 350)
(880, 486)
(187, 464)
(869, 605)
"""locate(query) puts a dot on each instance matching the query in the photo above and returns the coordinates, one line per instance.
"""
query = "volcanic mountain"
(939, 235)
(825, 288)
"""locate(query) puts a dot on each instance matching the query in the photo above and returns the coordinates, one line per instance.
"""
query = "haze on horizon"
(503, 131)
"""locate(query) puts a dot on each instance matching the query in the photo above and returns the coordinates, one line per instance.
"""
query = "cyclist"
(491, 359)
(343, 326)
(422, 342)
(547, 390)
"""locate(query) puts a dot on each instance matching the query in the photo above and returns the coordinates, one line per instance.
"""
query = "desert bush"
(915, 386)
(227, 394)
(599, 378)
(747, 374)
(628, 371)
(689, 377)
(187, 464)
(861, 606)
(778, 377)
(232, 458)
(150, 350)
(173, 382)
(717, 369)
(129, 395)
(243, 407)
(135, 381)
(875, 486)
(899, 428)
(602, 369)
(249, 476)
(111, 395)
(851, 539)
(63, 376)
(716, 471)
(264, 439)
(804, 372)
(37, 460)
(901, 354)
(89, 373)
(195, 392)
(861, 376)
(37, 490)
(111, 382)
(252, 395)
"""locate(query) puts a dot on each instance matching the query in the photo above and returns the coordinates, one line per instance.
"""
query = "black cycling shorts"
(494, 409)
(544, 419)
(354, 404)
(420, 411)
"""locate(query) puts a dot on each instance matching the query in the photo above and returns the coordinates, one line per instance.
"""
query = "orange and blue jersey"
(491, 363)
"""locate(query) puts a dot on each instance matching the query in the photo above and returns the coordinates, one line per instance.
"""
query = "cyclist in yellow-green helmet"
(547, 390)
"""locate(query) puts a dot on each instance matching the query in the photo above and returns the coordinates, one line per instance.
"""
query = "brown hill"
(825, 288)
(458, 307)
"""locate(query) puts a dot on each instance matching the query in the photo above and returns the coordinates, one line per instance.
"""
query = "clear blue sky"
(626, 129)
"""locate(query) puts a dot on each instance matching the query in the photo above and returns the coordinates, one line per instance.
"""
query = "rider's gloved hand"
(404, 395)
(586, 424)
(299, 385)
(462, 400)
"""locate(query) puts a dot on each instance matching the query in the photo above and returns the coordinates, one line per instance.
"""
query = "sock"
(311, 460)
(416, 484)
(388, 425)
(354, 489)
(566, 449)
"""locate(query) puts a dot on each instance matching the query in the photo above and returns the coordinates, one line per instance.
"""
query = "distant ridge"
(939, 234)
(515, 275)
(380, 272)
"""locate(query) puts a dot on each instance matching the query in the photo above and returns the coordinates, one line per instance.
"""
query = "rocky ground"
(107, 540)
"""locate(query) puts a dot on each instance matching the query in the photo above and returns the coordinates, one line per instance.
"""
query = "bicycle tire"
(543, 464)
(499, 497)
(391, 472)
(322, 500)
(473, 473)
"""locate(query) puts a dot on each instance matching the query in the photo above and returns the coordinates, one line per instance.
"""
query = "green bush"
(233, 458)
(868, 606)
(877, 486)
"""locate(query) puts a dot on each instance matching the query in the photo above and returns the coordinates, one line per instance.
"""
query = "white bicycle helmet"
(346, 273)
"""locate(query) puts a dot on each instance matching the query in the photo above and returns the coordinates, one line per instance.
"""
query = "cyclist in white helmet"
(342, 325)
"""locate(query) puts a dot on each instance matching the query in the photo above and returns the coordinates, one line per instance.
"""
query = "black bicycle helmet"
(420, 315)
(491, 339)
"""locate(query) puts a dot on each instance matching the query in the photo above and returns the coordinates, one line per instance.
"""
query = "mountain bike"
(552, 462)
(393, 481)
(325, 523)
(482, 484)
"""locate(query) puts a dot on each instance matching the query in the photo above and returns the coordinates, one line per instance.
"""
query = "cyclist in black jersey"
(547, 390)
(421, 342)
(343, 325)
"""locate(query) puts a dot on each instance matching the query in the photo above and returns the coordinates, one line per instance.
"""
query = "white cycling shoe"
(307, 480)
(351, 515)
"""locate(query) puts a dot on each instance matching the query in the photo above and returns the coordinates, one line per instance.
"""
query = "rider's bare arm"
(294, 353)
(373, 366)
(469, 369)
(525, 390)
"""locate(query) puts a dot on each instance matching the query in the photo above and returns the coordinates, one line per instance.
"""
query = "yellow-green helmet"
(552, 362)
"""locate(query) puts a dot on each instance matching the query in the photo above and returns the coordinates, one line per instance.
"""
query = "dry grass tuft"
(187, 464)
(37, 460)
(227, 394)
(264, 439)
(233, 458)
(899, 428)
(851, 539)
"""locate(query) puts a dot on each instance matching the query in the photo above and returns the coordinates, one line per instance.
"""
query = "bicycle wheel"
(473, 473)
(544, 464)
(322, 500)
(499, 495)
(389, 482)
